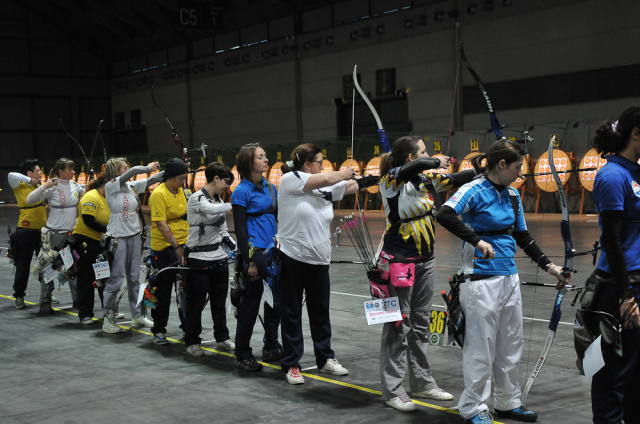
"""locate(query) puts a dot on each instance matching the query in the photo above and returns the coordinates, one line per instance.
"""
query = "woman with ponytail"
(407, 195)
(491, 227)
(616, 194)
(304, 240)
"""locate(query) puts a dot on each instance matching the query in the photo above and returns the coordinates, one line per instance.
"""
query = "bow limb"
(84, 155)
(567, 269)
(176, 138)
(384, 140)
(495, 125)
(95, 140)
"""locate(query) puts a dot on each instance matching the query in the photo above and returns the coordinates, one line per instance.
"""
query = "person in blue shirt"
(616, 193)
(491, 227)
(254, 204)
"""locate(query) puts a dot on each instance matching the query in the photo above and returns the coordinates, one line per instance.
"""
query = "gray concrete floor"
(55, 370)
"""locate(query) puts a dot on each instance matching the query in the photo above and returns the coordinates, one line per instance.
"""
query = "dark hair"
(301, 154)
(614, 137)
(400, 151)
(60, 165)
(508, 150)
(219, 170)
(97, 183)
(28, 165)
(244, 163)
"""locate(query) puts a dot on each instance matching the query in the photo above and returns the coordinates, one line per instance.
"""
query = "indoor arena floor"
(55, 370)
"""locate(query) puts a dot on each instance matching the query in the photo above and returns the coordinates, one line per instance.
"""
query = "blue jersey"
(261, 226)
(617, 188)
(485, 210)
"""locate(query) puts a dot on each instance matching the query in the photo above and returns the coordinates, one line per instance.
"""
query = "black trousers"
(27, 243)
(615, 390)
(297, 278)
(248, 312)
(165, 282)
(213, 281)
(89, 250)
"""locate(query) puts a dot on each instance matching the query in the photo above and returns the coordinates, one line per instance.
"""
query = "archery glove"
(367, 181)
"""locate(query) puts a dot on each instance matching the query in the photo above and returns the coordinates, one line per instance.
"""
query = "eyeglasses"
(317, 161)
(227, 181)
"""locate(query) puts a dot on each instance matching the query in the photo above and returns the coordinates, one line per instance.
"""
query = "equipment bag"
(455, 317)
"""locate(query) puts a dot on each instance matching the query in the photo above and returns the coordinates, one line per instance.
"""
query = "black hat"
(175, 167)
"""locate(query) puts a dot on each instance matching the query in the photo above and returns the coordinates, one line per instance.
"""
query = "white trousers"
(492, 343)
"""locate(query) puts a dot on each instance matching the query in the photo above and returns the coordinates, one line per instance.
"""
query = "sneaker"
(520, 414)
(118, 315)
(333, 367)
(19, 302)
(109, 326)
(249, 364)
(227, 345)
(294, 377)
(160, 339)
(195, 350)
(87, 321)
(45, 308)
(402, 403)
(482, 418)
(54, 300)
(141, 322)
(436, 393)
(273, 355)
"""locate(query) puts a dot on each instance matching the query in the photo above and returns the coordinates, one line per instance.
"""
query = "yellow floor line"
(266, 364)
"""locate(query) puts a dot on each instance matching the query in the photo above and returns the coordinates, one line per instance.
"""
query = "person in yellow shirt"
(169, 231)
(90, 226)
(32, 219)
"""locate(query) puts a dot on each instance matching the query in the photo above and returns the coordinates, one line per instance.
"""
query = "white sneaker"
(226, 345)
(141, 321)
(436, 393)
(402, 403)
(294, 376)
(195, 350)
(87, 321)
(110, 326)
(119, 315)
(333, 367)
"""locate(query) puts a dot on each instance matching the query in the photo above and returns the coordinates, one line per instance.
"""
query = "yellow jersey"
(31, 216)
(171, 208)
(94, 204)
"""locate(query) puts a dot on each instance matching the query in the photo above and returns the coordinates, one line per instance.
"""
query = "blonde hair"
(112, 167)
